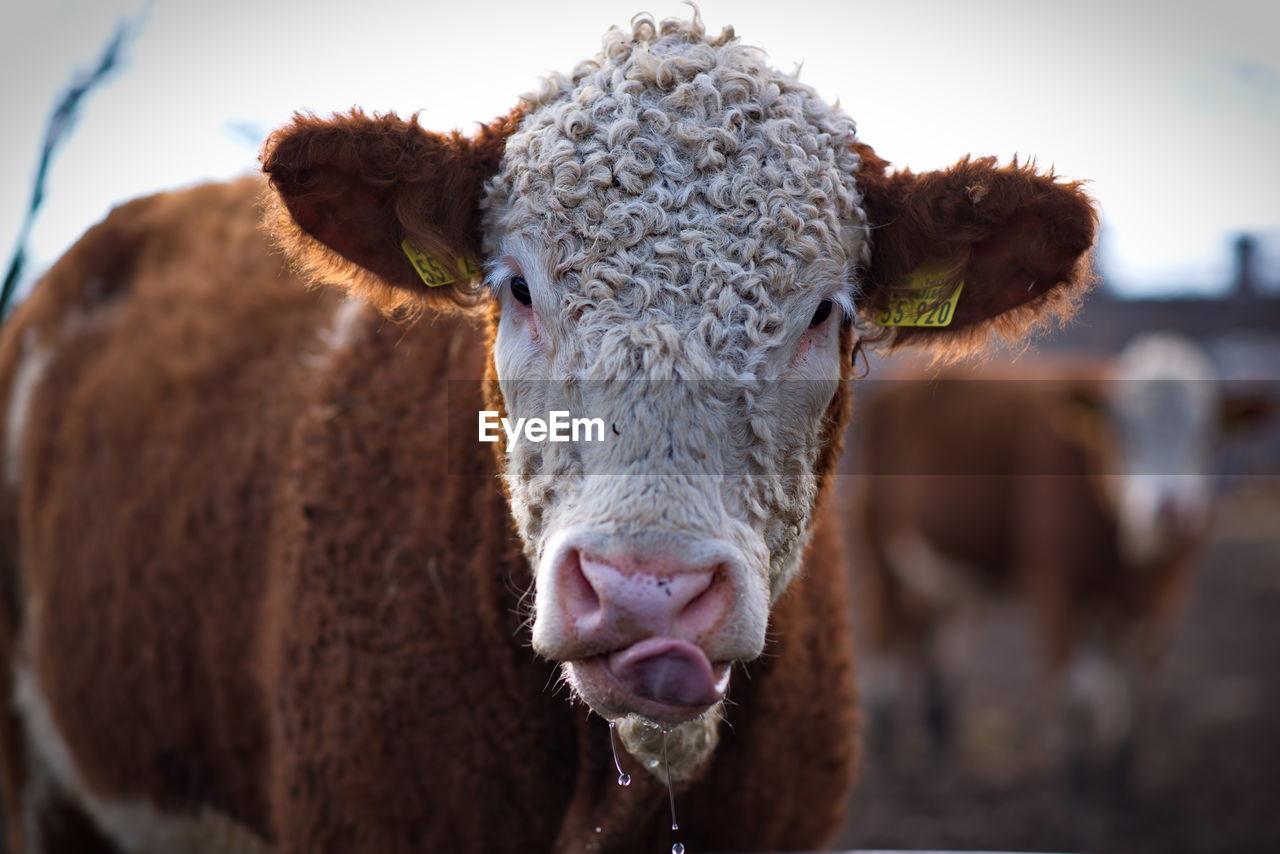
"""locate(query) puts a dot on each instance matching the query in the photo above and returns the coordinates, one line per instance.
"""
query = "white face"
(673, 245)
(1165, 410)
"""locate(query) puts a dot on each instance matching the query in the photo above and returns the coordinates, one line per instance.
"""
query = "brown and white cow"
(265, 588)
(1081, 485)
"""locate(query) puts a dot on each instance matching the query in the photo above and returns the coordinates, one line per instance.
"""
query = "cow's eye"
(520, 290)
(822, 313)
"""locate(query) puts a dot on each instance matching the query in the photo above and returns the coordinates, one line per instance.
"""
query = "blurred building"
(1240, 329)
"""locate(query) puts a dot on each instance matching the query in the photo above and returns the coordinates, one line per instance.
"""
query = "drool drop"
(671, 797)
(624, 779)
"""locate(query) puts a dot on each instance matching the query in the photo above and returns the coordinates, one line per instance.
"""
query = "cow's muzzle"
(651, 631)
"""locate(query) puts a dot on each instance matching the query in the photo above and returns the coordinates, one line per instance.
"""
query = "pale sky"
(1170, 109)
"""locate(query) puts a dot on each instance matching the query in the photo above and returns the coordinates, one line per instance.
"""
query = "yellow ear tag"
(918, 304)
(432, 272)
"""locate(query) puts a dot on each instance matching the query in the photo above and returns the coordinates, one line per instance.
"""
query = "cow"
(272, 586)
(1081, 487)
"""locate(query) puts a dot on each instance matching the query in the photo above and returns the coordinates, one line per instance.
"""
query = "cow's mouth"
(668, 681)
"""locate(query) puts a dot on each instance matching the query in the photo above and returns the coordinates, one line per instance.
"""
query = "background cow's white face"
(674, 232)
(1164, 406)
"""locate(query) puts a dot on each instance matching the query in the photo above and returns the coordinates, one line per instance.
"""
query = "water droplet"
(652, 763)
(677, 849)
(671, 796)
(624, 779)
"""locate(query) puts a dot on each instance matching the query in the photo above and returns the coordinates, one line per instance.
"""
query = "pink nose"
(614, 604)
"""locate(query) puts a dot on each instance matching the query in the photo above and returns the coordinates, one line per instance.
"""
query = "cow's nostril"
(705, 603)
(580, 595)
(699, 594)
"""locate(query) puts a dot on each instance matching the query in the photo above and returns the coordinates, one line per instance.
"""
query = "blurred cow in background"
(1082, 487)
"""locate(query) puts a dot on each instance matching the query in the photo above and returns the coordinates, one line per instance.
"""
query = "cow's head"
(679, 241)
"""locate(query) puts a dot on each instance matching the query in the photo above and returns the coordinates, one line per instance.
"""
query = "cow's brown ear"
(1243, 409)
(1016, 238)
(380, 207)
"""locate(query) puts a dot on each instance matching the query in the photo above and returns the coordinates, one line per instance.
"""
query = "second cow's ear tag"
(923, 301)
(432, 272)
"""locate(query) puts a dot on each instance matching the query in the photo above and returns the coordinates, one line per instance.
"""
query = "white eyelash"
(843, 299)
(845, 295)
(500, 272)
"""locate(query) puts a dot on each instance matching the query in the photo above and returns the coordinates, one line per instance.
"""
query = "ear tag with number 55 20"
(921, 303)
(432, 272)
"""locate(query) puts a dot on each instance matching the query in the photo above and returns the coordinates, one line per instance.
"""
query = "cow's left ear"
(1244, 409)
(1013, 240)
(380, 207)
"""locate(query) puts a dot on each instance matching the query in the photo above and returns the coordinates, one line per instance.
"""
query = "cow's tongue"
(671, 672)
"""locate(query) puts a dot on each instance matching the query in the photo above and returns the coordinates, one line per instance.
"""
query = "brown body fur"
(263, 574)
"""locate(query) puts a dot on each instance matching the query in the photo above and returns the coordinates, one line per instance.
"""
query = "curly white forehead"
(681, 174)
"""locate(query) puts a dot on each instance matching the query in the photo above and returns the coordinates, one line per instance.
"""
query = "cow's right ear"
(380, 207)
(962, 252)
